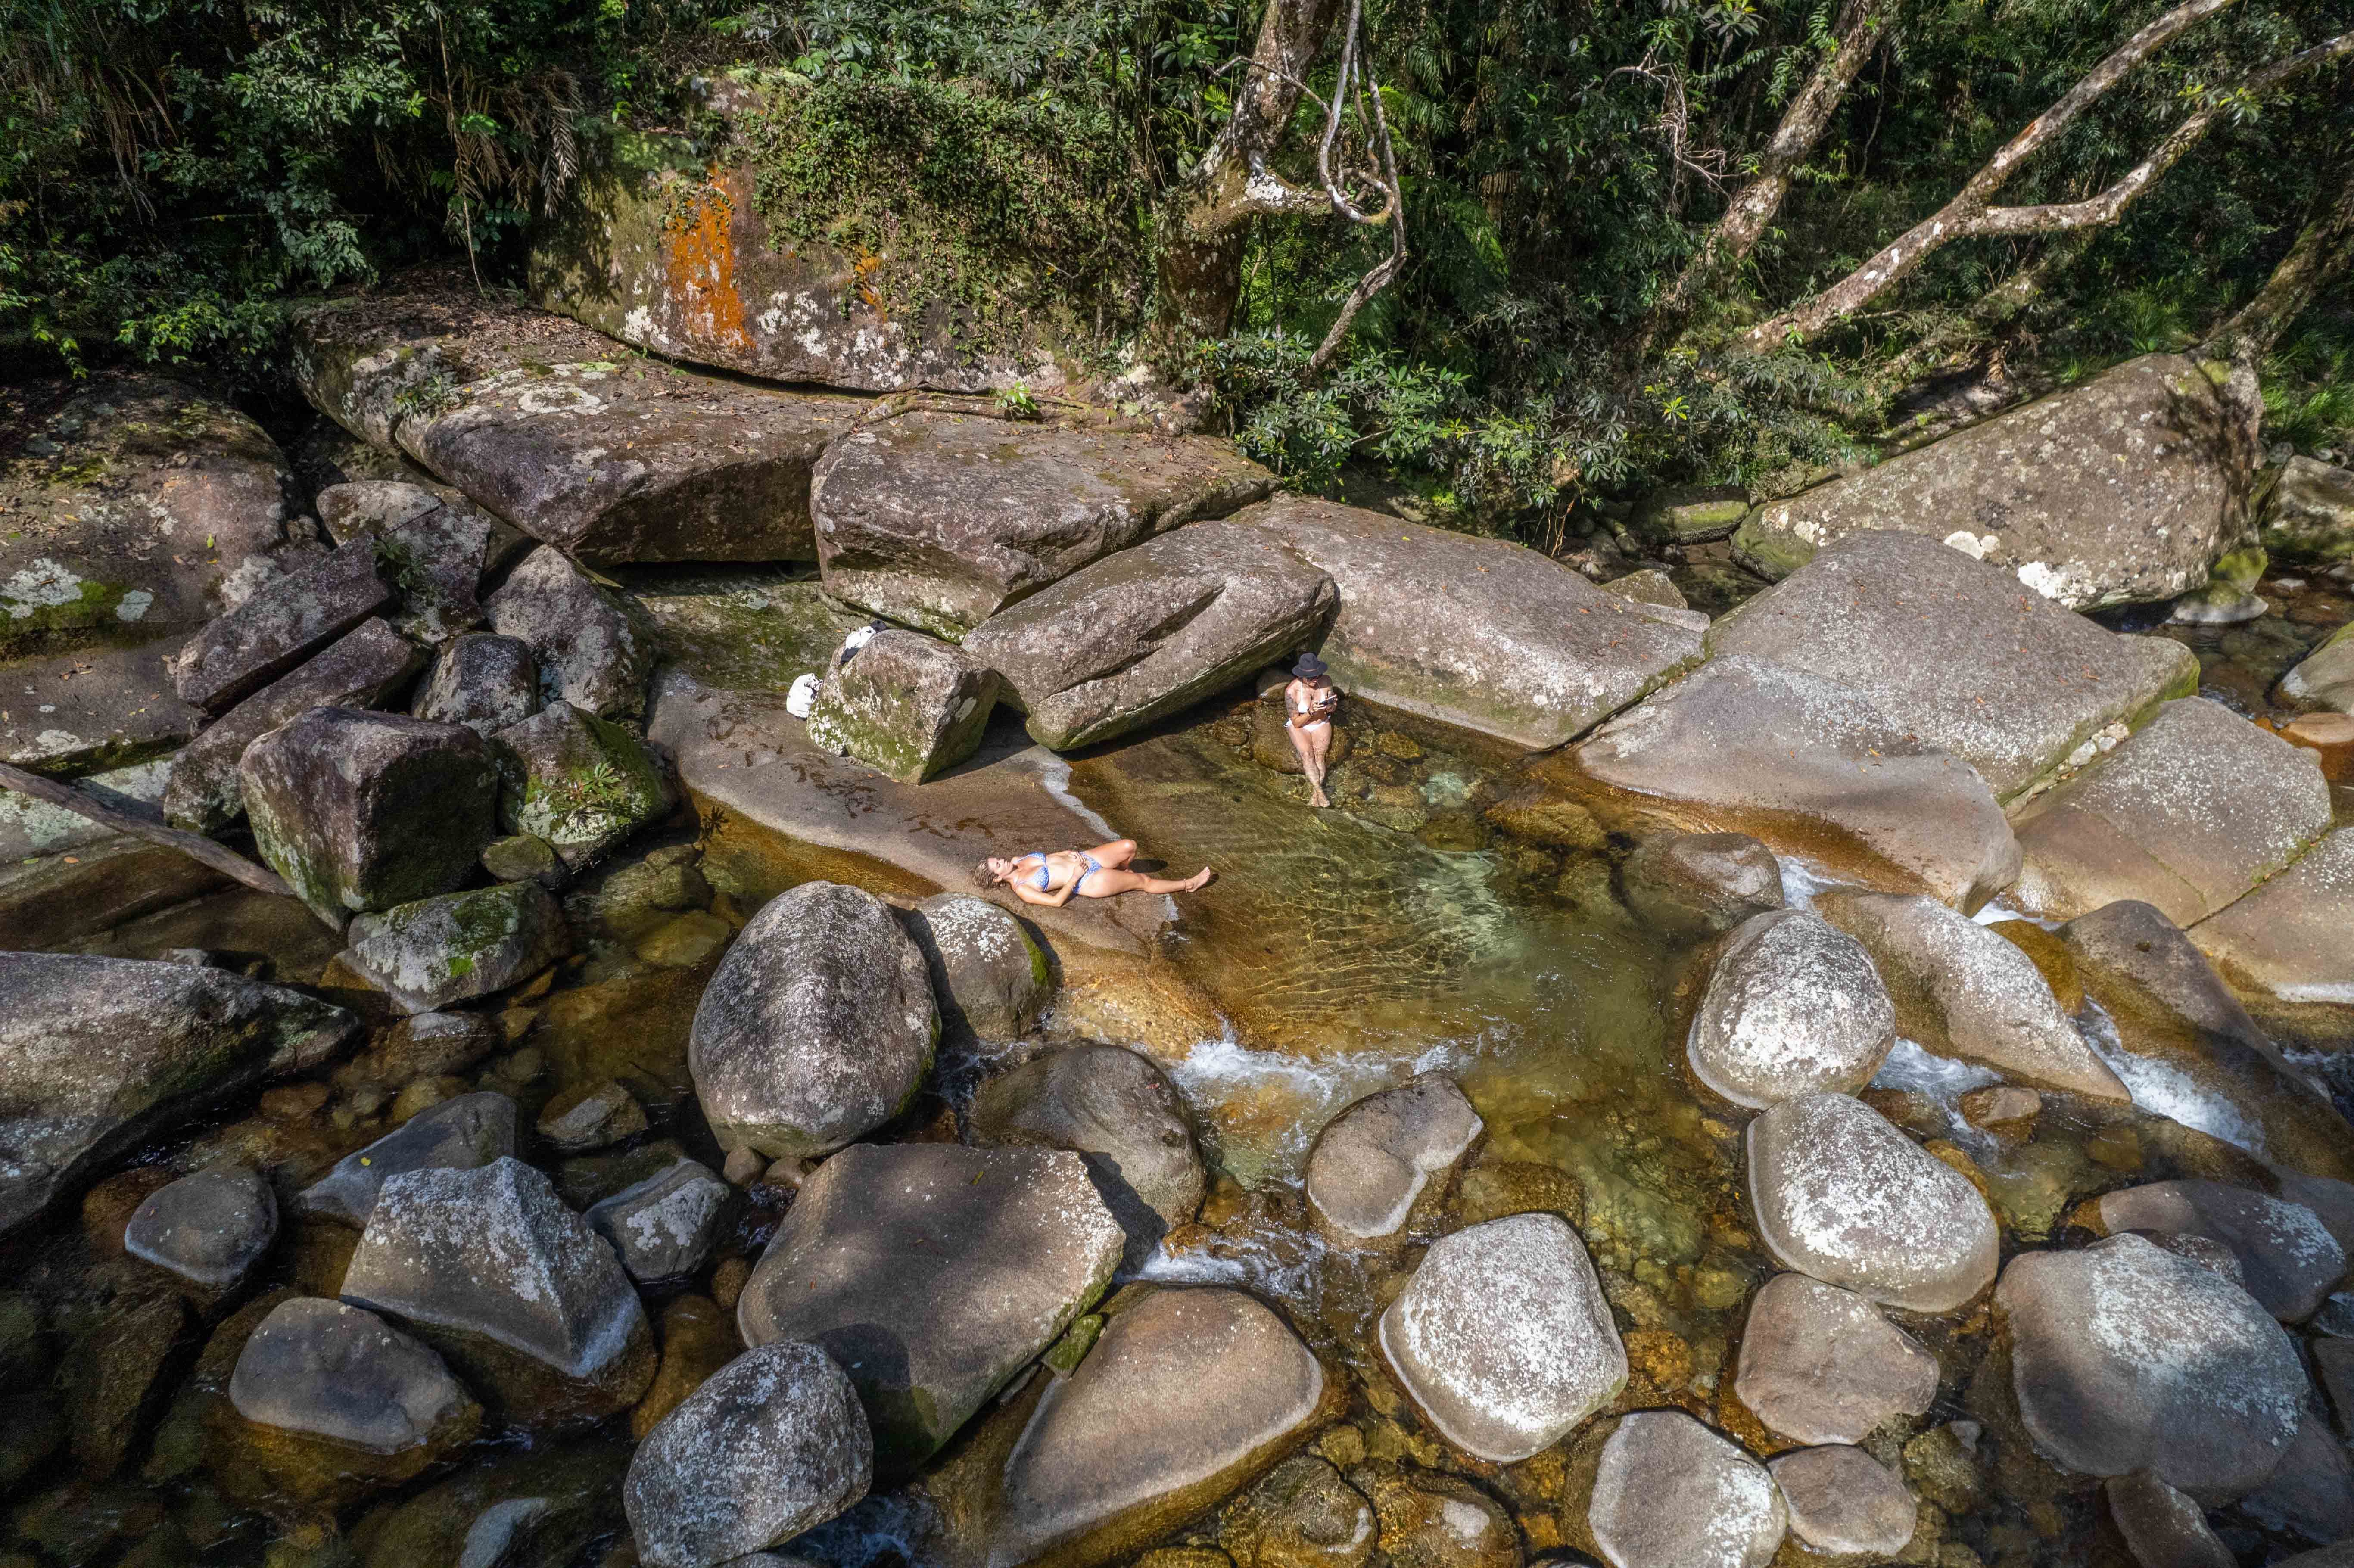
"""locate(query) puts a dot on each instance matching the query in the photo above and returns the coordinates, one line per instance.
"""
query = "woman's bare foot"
(1200, 880)
(1319, 798)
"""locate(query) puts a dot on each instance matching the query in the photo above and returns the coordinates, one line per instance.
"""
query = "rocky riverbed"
(1850, 1073)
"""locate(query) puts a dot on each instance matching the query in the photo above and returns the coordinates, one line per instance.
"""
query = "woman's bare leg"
(1115, 854)
(1108, 883)
(1311, 741)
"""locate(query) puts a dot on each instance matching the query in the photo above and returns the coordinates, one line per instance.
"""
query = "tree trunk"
(1203, 233)
(1858, 31)
(2322, 251)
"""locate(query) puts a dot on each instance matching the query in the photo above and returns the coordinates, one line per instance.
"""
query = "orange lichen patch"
(700, 260)
(865, 270)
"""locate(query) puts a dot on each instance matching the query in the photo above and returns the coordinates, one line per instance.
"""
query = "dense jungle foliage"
(172, 170)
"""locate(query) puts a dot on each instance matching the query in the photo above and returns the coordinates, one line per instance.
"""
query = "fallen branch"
(195, 846)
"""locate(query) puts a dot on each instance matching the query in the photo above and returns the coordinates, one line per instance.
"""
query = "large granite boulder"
(208, 1229)
(933, 1274)
(2188, 814)
(1957, 653)
(904, 703)
(1502, 1337)
(1965, 992)
(2120, 1356)
(360, 669)
(1153, 629)
(462, 1133)
(2323, 681)
(1792, 1007)
(588, 651)
(436, 546)
(2119, 489)
(1189, 1396)
(1820, 1364)
(2287, 939)
(1699, 885)
(362, 810)
(2288, 1260)
(940, 519)
(772, 1445)
(138, 508)
(483, 681)
(2168, 1004)
(332, 1399)
(608, 457)
(281, 624)
(99, 1054)
(515, 1507)
(489, 1268)
(817, 1026)
(1841, 1500)
(990, 981)
(434, 952)
(2308, 518)
(1117, 1111)
(668, 245)
(1387, 1163)
(578, 783)
(1669, 1493)
(1843, 1196)
(1479, 634)
(1744, 745)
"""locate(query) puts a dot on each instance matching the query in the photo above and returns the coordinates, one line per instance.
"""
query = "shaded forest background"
(173, 171)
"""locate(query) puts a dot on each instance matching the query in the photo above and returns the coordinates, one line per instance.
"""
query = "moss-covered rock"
(577, 782)
(436, 951)
(904, 704)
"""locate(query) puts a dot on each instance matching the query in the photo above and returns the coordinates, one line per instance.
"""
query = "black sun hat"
(1309, 668)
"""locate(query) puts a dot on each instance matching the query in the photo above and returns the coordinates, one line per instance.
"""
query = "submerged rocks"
(1502, 1337)
(2160, 1527)
(208, 1229)
(280, 626)
(817, 1028)
(361, 810)
(1478, 634)
(334, 1400)
(933, 1274)
(489, 1268)
(772, 1445)
(1302, 1515)
(1189, 1395)
(1792, 1007)
(1841, 1500)
(663, 1228)
(1956, 653)
(941, 520)
(904, 704)
(576, 782)
(1820, 1364)
(98, 1054)
(1843, 1196)
(1389, 1161)
(1119, 1113)
(2287, 1258)
(1153, 629)
(2188, 814)
(1963, 991)
(1673, 1494)
(437, 951)
(1697, 885)
(460, 1133)
(2121, 1357)
(989, 980)
(2115, 490)
(588, 651)
(1803, 763)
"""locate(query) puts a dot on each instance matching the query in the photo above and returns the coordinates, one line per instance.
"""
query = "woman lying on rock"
(1053, 877)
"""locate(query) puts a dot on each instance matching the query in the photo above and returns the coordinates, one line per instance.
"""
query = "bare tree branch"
(1386, 179)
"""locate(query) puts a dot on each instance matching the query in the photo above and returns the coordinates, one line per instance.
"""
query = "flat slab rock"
(2125, 1356)
(91, 711)
(1502, 1337)
(1479, 634)
(2287, 939)
(1956, 653)
(1792, 1007)
(281, 624)
(940, 519)
(1673, 1494)
(933, 1274)
(1842, 1195)
(1373, 1167)
(608, 456)
(1189, 1395)
(1810, 767)
(2116, 491)
(1820, 1364)
(2189, 813)
(1153, 629)
(2287, 1258)
(137, 507)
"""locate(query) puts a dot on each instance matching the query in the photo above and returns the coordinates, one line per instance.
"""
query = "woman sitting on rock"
(1053, 877)
(1308, 703)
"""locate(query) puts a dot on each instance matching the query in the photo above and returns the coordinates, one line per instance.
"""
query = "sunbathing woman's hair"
(982, 877)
